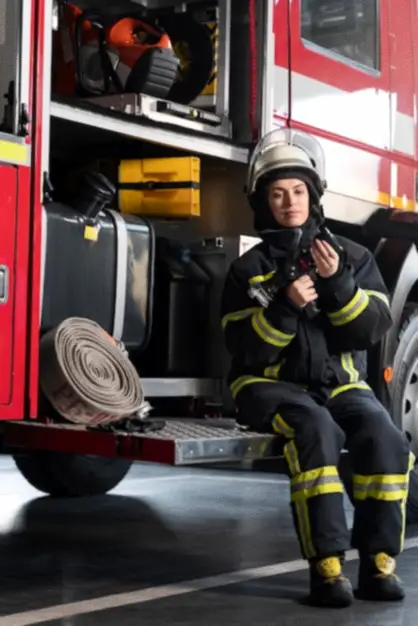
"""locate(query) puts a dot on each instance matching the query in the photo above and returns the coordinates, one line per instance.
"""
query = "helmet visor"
(290, 137)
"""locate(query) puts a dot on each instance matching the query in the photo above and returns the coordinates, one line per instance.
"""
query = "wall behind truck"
(225, 210)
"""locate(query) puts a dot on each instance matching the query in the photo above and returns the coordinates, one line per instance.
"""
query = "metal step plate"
(180, 442)
(208, 441)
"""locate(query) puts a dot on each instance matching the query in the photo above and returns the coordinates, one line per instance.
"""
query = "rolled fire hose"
(85, 376)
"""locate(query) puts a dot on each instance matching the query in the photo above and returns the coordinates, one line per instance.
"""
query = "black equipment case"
(102, 271)
(187, 338)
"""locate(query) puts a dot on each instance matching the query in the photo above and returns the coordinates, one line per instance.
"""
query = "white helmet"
(284, 148)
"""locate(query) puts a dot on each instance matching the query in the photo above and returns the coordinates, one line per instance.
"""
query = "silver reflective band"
(121, 273)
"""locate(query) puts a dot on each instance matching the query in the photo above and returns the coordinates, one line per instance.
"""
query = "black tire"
(404, 413)
(183, 30)
(406, 355)
(71, 475)
(412, 504)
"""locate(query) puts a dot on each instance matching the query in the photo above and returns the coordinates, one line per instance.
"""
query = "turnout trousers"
(315, 432)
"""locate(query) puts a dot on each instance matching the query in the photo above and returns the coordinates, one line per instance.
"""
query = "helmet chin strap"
(317, 212)
(316, 215)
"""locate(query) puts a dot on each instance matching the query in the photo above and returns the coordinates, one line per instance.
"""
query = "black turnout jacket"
(281, 343)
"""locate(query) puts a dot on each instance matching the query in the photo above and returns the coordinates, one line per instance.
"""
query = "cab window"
(347, 28)
(10, 28)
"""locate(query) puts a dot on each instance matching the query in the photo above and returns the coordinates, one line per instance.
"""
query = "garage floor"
(167, 547)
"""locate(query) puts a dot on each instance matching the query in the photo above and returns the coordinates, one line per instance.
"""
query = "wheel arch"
(398, 263)
(392, 236)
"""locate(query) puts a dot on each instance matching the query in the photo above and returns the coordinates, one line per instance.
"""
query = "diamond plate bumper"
(181, 442)
(198, 441)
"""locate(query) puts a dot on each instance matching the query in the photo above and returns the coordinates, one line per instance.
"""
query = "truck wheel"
(404, 397)
(71, 475)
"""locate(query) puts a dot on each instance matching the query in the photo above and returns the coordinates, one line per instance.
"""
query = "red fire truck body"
(343, 71)
(365, 113)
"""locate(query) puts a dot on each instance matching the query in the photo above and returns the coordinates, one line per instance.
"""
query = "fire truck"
(126, 132)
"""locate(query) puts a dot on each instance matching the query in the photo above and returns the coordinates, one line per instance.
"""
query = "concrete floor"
(167, 547)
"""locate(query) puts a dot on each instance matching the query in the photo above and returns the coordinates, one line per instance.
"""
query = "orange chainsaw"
(108, 50)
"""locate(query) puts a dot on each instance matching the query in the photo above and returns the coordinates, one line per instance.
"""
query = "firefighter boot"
(329, 588)
(377, 580)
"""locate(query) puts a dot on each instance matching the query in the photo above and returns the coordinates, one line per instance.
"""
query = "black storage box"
(107, 277)
(187, 338)
(181, 314)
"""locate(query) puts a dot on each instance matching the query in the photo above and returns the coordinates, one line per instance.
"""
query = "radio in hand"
(297, 263)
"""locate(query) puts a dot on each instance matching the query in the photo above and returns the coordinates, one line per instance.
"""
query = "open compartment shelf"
(75, 124)
(171, 194)
(159, 71)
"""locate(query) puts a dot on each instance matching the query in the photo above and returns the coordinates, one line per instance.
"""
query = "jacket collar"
(282, 241)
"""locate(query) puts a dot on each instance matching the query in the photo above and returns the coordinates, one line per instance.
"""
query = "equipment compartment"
(187, 339)
(166, 63)
(182, 296)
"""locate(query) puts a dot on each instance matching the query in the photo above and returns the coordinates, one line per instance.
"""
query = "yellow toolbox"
(165, 187)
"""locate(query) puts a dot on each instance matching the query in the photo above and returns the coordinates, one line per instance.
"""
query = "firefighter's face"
(289, 202)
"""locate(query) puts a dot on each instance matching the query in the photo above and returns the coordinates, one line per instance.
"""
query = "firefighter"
(299, 370)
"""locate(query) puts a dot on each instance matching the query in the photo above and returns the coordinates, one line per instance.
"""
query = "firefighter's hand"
(326, 259)
(302, 291)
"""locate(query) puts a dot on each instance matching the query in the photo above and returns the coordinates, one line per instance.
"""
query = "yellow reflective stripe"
(273, 371)
(412, 459)
(342, 388)
(381, 479)
(320, 481)
(379, 494)
(390, 487)
(318, 490)
(315, 475)
(350, 311)
(281, 427)
(243, 381)
(261, 278)
(301, 506)
(15, 152)
(292, 458)
(378, 294)
(268, 333)
(347, 364)
(305, 530)
(237, 316)
(346, 308)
